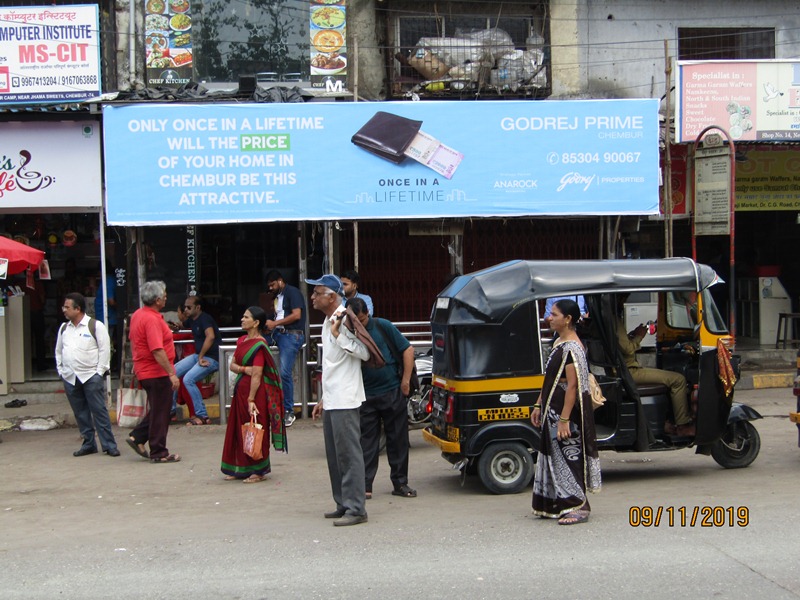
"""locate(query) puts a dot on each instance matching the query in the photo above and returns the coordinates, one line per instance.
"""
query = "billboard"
(223, 163)
(49, 54)
(752, 100)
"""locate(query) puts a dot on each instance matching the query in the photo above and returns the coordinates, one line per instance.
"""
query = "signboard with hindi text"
(49, 54)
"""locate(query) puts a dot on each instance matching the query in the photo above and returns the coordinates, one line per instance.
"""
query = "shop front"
(756, 104)
(50, 199)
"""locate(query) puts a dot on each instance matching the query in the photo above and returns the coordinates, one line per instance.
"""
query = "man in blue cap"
(342, 394)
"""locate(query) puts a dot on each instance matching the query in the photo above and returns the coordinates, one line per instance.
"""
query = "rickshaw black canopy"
(494, 292)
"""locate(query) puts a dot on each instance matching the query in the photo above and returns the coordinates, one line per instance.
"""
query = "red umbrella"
(19, 256)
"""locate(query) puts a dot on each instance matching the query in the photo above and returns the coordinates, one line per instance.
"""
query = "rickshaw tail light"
(448, 415)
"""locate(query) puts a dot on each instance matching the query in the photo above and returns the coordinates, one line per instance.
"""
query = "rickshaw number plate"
(452, 434)
(505, 413)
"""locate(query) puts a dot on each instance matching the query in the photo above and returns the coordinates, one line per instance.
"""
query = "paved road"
(100, 527)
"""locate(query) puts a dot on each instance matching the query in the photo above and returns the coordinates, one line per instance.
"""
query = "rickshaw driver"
(629, 343)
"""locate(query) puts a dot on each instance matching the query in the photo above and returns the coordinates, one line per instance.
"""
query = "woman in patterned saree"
(257, 391)
(568, 465)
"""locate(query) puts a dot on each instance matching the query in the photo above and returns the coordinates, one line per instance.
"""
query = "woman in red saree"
(257, 391)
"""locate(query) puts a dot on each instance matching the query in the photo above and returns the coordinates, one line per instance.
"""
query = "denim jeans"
(88, 402)
(191, 372)
(289, 344)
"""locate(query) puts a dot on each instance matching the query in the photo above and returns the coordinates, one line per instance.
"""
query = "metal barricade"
(418, 334)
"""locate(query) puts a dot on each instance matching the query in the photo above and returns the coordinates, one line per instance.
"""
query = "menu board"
(328, 35)
(168, 42)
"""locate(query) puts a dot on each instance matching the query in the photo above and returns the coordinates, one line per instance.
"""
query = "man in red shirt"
(153, 363)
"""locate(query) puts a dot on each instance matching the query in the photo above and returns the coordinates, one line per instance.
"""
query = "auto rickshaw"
(489, 351)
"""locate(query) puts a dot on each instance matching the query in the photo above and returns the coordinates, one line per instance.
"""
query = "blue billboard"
(226, 163)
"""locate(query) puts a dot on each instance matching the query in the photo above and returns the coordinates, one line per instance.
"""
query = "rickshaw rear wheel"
(738, 447)
(505, 467)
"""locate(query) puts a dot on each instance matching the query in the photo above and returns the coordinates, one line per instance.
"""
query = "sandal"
(195, 420)
(230, 477)
(16, 403)
(404, 492)
(574, 517)
(138, 448)
(369, 495)
(172, 458)
(254, 479)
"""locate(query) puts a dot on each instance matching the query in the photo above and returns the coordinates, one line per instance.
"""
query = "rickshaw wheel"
(738, 447)
(505, 468)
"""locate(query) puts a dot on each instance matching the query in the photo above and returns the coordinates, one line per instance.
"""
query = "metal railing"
(418, 334)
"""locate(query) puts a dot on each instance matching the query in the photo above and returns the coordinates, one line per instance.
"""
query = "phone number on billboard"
(62, 80)
(572, 158)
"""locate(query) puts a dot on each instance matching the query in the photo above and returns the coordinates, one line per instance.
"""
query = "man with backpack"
(83, 351)
(387, 389)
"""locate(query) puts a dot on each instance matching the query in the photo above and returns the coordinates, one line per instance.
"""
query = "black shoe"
(112, 452)
(335, 514)
(350, 520)
(84, 451)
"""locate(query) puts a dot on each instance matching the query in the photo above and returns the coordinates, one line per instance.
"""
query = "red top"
(150, 332)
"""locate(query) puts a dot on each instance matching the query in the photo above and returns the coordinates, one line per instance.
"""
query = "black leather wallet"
(387, 136)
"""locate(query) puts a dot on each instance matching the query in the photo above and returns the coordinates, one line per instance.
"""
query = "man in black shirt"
(205, 361)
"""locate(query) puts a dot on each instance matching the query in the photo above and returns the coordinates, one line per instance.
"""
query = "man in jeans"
(205, 361)
(287, 329)
(82, 355)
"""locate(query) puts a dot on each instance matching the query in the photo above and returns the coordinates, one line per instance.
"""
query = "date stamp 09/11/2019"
(689, 516)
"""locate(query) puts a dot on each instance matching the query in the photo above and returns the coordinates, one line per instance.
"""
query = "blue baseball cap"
(329, 280)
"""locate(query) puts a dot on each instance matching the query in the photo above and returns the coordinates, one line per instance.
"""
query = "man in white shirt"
(83, 351)
(343, 394)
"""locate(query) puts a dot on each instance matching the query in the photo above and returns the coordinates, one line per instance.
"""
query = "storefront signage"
(327, 32)
(712, 180)
(50, 165)
(49, 54)
(191, 259)
(751, 100)
(215, 163)
(768, 180)
(168, 42)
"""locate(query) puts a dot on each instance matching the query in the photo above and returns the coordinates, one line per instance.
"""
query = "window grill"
(725, 43)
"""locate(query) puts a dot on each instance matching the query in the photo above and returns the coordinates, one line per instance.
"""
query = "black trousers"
(153, 429)
(389, 409)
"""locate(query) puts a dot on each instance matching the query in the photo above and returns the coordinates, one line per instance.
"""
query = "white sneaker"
(289, 419)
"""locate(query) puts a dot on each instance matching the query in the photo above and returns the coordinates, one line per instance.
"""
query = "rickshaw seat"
(652, 389)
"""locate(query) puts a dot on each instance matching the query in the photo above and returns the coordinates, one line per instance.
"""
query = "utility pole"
(668, 246)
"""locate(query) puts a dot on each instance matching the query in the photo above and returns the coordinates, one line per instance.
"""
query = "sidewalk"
(50, 415)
